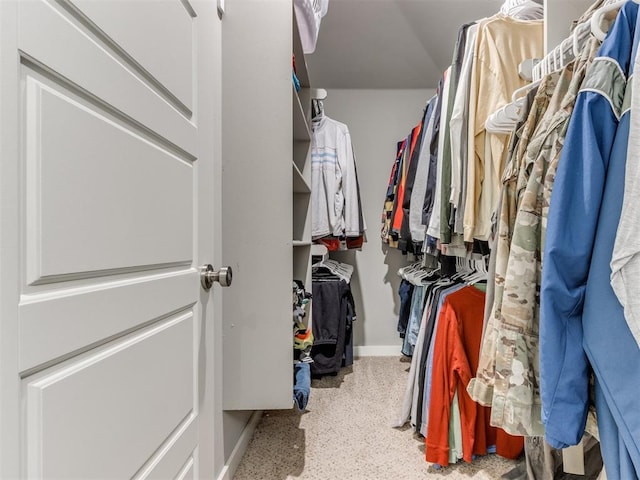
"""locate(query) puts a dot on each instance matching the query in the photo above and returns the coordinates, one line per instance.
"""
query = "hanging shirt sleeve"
(571, 228)
(349, 187)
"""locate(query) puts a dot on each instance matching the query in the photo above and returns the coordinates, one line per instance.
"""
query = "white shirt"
(309, 15)
(335, 209)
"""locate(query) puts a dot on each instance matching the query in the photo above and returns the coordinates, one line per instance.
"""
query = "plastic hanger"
(580, 35)
(518, 94)
(341, 270)
(504, 120)
(598, 16)
(404, 272)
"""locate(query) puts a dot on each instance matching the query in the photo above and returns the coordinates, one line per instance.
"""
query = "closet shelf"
(301, 64)
(301, 153)
(300, 184)
(301, 130)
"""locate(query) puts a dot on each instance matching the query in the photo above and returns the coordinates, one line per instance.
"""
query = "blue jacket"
(581, 320)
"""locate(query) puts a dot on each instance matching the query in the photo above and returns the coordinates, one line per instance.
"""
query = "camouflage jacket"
(481, 387)
(516, 396)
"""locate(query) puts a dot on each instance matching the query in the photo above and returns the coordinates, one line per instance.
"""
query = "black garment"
(405, 292)
(332, 301)
(481, 247)
(445, 205)
(403, 157)
(447, 265)
(427, 207)
(347, 358)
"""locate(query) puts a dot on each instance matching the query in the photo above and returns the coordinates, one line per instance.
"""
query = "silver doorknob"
(208, 275)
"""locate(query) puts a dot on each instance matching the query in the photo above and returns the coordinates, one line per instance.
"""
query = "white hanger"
(517, 94)
(598, 16)
(504, 120)
(319, 250)
(560, 56)
(341, 270)
(580, 36)
(418, 277)
(405, 271)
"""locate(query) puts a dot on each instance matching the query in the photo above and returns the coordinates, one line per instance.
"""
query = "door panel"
(79, 415)
(77, 222)
(188, 471)
(179, 459)
(167, 61)
(106, 367)
(77, 317)
(98, 71)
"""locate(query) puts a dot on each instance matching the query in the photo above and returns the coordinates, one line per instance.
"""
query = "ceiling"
(390, 43)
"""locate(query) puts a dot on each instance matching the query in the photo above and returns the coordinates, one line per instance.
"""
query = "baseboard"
(377, 351)
(240, 449)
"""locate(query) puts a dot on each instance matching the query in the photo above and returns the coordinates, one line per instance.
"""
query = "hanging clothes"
(390, 198)
(582, 322)
(455, 359)
(434, 142)
(427, 313)
(404, 234)
(335, 200)
(433, 229)
(625, 266)
(309, 15)
(503, 43)
(481, 388)
(419, 191)
(458, 127)
(333, 317)
(509, 377)
(446, 202)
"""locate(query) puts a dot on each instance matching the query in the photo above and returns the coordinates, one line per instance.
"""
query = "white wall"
(377, 120)
(558, 18)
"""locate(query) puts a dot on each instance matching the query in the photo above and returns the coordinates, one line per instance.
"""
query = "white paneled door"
(106, 175)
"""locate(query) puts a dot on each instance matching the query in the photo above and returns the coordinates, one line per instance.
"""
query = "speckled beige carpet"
(345, 434)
